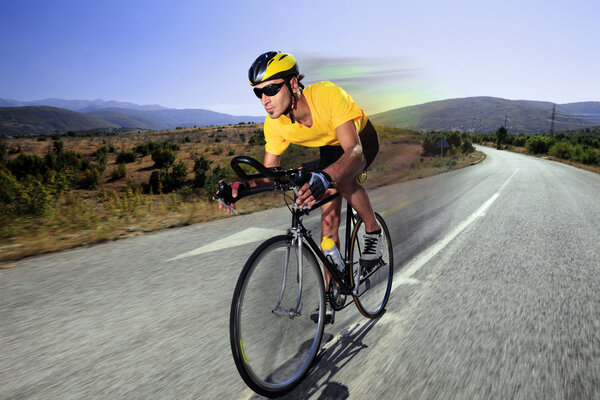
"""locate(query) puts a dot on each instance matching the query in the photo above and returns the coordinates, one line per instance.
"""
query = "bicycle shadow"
(332, 360)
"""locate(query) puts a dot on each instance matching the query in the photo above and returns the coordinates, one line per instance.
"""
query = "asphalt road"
(495, 296)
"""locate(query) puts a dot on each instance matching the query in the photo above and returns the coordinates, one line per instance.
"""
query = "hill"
(487, 114)
(126, 115)
(33, 120)
(171, 118)
(79, 105)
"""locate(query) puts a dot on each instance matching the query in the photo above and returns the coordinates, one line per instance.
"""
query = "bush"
(562, 150)
(201, 166)
(142, 149)
(258, 139)
(29, 197)
(157, 179)
(125, 157)
(165, 181)
(178, 175)
(25, 165)
(537, 145)
(467, 146)
(119, 172)
(217, 150)
(163, 158)
(430, 144)
(90, 179)
(586, 155)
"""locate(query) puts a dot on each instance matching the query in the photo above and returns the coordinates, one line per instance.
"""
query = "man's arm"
(353, 161)
(348, 166)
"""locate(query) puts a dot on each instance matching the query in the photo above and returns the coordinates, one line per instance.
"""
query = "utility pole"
(552, 123)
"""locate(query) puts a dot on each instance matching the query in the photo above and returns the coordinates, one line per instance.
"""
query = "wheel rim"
(375, 287)
(276, 351)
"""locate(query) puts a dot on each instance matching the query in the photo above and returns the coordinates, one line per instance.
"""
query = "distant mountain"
(129, 118)
(43, 119)
(121, 114)
(79, 105)
(171, 118)
(487, 114)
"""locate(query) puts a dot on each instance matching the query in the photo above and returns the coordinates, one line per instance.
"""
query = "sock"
(377, 232)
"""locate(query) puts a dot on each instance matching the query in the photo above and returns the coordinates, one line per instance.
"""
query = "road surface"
(495, 296)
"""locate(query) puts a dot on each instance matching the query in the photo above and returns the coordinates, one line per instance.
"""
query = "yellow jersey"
(330, 107)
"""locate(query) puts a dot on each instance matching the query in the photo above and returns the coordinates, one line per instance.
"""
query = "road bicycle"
(278, 311)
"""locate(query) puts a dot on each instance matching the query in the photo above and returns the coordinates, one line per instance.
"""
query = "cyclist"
(321, 115)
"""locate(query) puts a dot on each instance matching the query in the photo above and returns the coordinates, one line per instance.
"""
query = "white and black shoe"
(372, 251)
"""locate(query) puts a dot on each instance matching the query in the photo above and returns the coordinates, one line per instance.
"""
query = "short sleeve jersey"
(330, 107)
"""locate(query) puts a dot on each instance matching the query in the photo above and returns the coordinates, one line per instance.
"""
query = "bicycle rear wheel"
(376, 283)
(273, 338)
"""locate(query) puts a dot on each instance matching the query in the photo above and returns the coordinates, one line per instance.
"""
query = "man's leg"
(330, 224)
(358, 198)
(373, 245)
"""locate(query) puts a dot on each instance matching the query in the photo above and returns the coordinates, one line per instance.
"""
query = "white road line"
(249, 235)
(419, 261)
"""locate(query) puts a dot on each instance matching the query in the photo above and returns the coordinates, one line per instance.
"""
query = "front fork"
(292, 312)
(298, 242)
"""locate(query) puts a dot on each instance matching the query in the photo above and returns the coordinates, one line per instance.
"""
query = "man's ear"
(294, 84)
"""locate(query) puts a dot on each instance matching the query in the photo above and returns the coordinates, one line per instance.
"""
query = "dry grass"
(112, 212)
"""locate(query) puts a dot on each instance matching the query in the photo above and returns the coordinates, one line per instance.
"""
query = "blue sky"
(386, 54)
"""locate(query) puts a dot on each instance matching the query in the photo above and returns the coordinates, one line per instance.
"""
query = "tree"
(501, 135)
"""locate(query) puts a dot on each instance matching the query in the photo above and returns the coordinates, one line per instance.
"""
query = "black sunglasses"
(269, 90)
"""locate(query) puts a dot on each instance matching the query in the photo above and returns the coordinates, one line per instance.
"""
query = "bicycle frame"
(299, 232)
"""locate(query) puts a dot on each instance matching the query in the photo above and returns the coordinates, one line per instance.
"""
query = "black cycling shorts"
(368, 140)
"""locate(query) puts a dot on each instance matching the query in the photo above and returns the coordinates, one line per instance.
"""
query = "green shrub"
(157, 181)
(90, 179)
(125, 157)
(562, 150)
(119, 172)
(537, 145)
(165, 181)
(178, 175)
(25, 165)
(257, 139)
(586, 155)
(142, 149)
(430, 144)
(29, 197)
(467, 146)
(217, 150)
(163, 158)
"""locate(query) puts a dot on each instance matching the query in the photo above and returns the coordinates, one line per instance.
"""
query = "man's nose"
(264, 99)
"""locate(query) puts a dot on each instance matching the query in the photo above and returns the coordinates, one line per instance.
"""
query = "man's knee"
(347, 186)
(330, 221)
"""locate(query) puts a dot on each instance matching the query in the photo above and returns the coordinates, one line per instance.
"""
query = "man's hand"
(313, 190)
(227, 195)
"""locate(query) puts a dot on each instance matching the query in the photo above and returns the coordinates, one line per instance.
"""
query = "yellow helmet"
(272, 65)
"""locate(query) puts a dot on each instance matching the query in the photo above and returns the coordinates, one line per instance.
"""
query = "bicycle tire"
(375, 287)
(273, 353)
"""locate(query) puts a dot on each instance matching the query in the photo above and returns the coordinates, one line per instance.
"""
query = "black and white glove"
(318, 184)
(225, 193)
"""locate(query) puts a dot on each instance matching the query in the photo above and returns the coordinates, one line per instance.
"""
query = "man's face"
(277, 104)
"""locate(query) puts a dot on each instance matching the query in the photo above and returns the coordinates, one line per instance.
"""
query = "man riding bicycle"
(321, 115)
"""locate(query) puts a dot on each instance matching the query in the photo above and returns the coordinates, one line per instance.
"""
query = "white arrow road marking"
(249, 235)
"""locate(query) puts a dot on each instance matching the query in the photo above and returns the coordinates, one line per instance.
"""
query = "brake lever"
(227, 206)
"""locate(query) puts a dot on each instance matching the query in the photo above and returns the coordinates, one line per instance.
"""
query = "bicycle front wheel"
(376, 282)
(277, 316)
